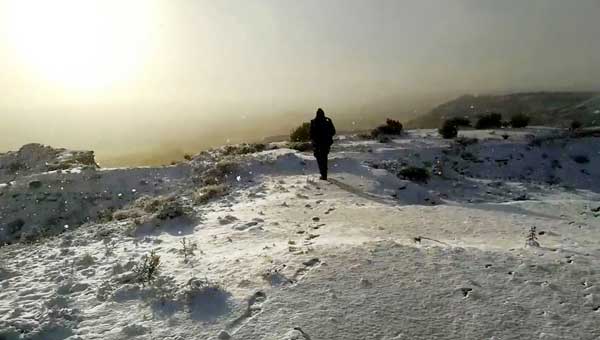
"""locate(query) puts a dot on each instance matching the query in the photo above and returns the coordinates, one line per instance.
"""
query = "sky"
(127, 76)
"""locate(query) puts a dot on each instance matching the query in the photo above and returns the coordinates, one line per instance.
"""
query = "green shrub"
(301, 133)
(489, 121)
(449, 129)
(391, 127)
(415, 174)
(147, 269)
(460, 121)
(519, 120)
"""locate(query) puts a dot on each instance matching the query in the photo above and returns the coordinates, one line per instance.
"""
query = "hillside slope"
(252, 246)
(545, 108)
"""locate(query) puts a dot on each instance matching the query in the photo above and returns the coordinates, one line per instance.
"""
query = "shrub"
(219, 172)
(209, 192)
(16, 166)
(448, 129)
(383, 139)
(147, 269)
(188, 249)
(301, 133)
(581, 159)
(205, 297)
(519, 120)
(575, 125)
(460, 121)
(531, 239)
(300, 146)
(489, 121)
(244, 149)
(171, 209)
(391, 127)
(415, 174)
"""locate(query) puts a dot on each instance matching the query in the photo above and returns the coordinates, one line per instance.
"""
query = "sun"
(81, 44)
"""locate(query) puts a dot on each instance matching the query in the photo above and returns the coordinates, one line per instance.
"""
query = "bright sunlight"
(79, 44)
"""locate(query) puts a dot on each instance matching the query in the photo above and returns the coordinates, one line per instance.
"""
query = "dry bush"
(244, 149)
(163, 207)
(209, 192)
(219, 172)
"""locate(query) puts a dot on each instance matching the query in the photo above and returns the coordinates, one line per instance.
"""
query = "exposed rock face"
(37, 201)
(36, 158)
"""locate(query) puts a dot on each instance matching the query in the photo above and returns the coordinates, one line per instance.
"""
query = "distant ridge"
(545, 108)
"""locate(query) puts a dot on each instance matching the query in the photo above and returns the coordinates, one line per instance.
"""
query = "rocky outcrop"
(37, 158)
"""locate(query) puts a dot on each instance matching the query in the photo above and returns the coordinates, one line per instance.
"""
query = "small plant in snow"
(86, 260)
(188, 249)
(109, 247)
(147, 269)
(531, 240)
(204, 291)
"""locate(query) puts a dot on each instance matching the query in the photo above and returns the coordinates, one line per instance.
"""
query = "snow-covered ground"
(270, 252)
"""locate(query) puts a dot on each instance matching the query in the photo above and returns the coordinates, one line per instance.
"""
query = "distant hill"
(545, 108)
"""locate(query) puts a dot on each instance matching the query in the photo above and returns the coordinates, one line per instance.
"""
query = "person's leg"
(318, 156)
(324, 155)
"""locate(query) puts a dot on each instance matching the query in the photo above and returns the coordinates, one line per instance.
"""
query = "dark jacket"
(322, 131)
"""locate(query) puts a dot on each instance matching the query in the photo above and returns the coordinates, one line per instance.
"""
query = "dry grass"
(209, 193)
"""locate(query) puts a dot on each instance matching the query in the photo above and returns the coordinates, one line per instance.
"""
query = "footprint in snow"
(296, 334)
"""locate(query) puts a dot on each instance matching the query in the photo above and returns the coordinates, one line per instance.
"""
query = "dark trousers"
(321, 152)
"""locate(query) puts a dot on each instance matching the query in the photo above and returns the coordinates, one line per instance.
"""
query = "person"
(321, 135)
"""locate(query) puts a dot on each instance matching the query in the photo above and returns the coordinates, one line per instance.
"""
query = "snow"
(368, 255)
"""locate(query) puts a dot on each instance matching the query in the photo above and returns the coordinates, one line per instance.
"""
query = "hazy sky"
(124, 74)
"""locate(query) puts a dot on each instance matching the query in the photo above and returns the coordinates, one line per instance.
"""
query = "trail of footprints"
(257, 300)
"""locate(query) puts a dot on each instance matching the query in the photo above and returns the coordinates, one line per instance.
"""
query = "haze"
(131, 78)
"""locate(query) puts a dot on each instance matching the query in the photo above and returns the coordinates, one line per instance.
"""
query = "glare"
(80, 44)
